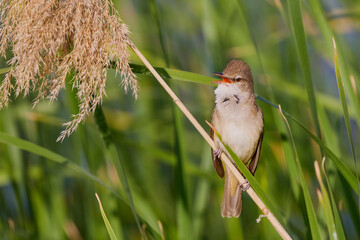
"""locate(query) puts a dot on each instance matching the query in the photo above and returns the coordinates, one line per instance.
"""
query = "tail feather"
(231, 203)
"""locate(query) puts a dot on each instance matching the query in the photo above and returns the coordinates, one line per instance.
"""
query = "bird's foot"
(217, 153)
(248, 166)
(245, 185)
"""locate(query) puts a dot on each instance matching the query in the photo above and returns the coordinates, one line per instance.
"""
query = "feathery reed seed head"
(50, 38)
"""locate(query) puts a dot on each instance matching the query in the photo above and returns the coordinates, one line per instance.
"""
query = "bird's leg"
(246, 187)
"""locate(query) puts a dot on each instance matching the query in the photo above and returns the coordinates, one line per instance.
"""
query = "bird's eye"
(237, 79)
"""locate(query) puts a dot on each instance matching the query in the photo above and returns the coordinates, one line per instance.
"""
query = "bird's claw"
(217, 153)
(245, 185)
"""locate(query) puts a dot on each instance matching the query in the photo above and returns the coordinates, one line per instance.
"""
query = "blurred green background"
(176, 193)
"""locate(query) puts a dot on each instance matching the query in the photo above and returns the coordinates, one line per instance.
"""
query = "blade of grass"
(345, 110)
(294, 8)
(12, 156)
(168, 73)
(42, 216)
(330, 135)
(106, 221)
(321, 21)
(325, 202)
(314, 226)
(332, 140)
(338, 224)
(183, 208)
(351, 201)
(201, 195)
(234, 229)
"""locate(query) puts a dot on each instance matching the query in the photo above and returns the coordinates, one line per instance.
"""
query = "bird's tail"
(231, 203)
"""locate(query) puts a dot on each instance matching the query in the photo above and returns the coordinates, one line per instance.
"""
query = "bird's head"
(235, 71)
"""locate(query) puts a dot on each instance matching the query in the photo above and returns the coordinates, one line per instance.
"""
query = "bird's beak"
(224, 79)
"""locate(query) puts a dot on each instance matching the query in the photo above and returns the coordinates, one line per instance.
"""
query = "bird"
(240, 123)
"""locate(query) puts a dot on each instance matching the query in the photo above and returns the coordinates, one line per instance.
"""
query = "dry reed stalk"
(278, 227)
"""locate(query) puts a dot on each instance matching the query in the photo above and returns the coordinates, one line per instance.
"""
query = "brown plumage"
(240, 123)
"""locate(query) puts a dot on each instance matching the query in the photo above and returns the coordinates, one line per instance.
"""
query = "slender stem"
(279, 228)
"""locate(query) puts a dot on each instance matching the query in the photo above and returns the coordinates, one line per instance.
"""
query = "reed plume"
(51, 38)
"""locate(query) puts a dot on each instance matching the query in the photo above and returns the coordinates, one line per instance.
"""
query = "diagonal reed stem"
(278, 227)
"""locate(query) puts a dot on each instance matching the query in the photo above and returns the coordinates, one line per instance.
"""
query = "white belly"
(240, 134)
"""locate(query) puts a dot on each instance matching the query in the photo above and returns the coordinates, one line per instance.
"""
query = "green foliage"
(47, 188)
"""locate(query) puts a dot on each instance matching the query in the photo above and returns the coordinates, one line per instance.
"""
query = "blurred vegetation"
(47, 188)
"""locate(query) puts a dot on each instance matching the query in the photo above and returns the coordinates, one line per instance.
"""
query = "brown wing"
(217, 163)
(255, 159)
